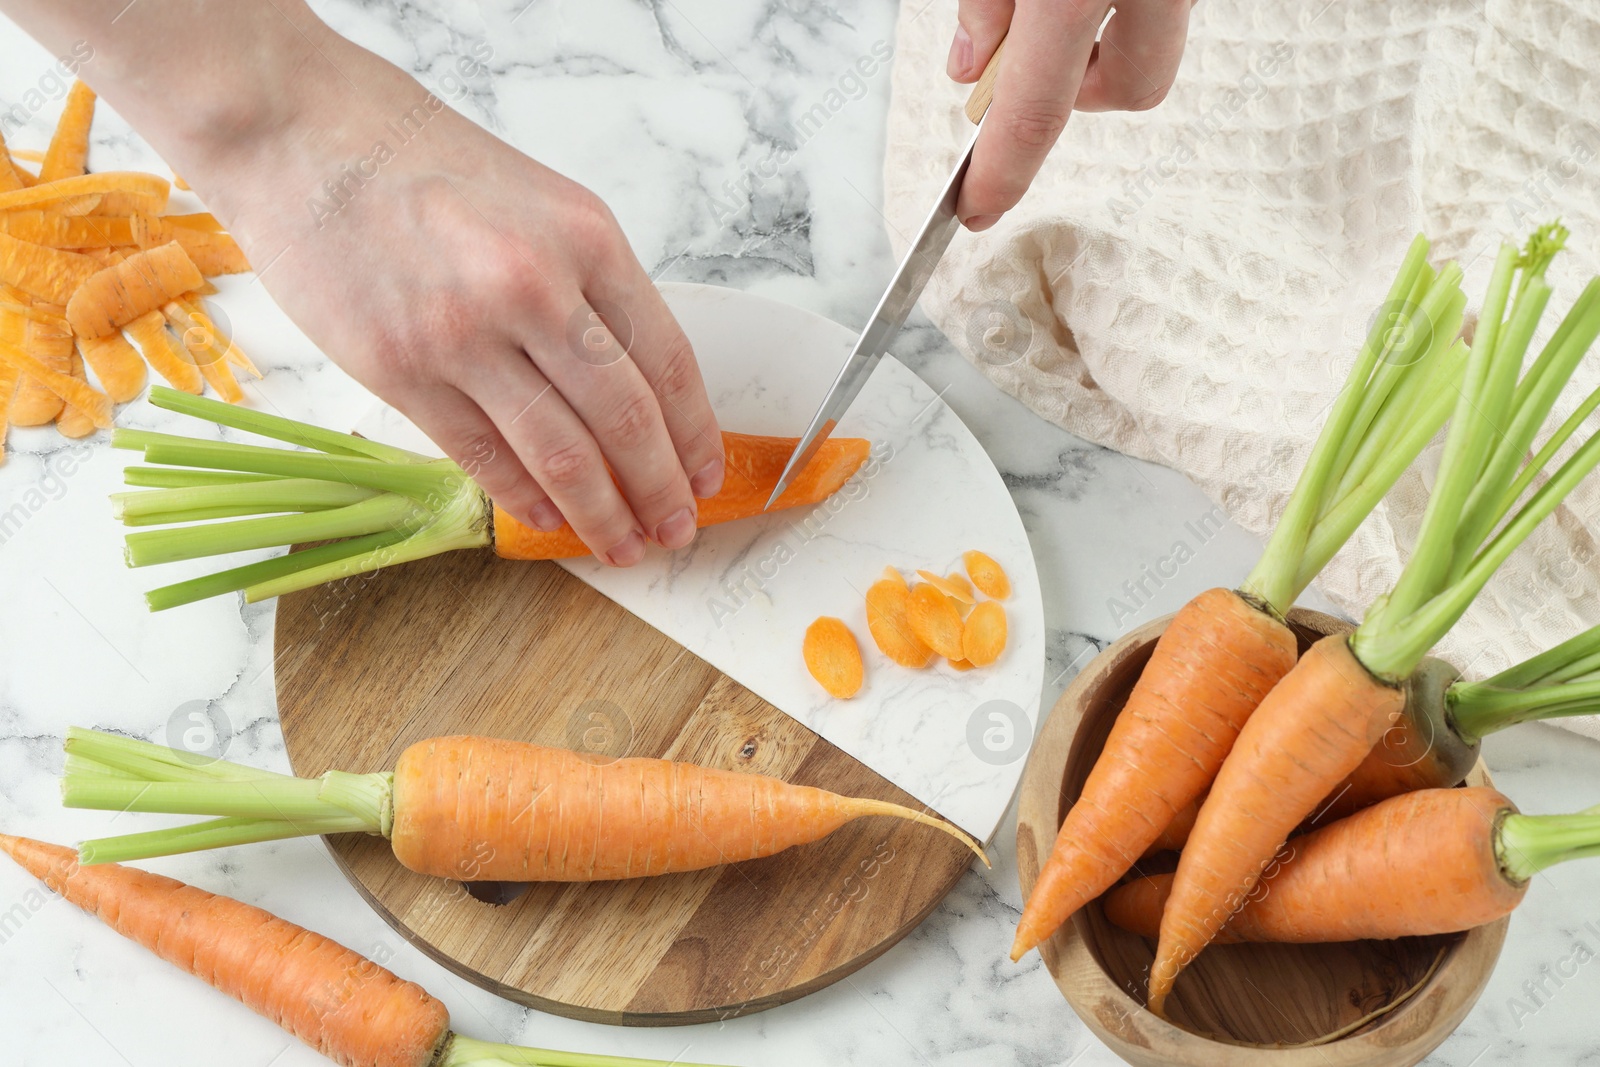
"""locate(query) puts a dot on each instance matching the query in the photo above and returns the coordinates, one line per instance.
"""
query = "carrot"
(833, 657)
(117, 365)
(47, 340)
(934, 620)
(199, 220)
(149, 332)
(74, 421)
(1176, 834)
(987, 575)
(951, 587)
(211, 251)
(1327, 714)
(69, 145)
(888, 601)
(148, 188)
(475, 808)
(9, 178)
(115, 296)
(49, 274)
(1431, 862)
(55, 230)
(983, 635)
(753, 465)
(8, 389)
(337, 1001)
(205, 341)
(75, 391)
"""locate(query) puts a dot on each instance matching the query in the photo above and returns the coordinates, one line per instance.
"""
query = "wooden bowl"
(1387, 1003)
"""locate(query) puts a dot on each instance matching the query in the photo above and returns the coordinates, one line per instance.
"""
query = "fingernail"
(707, 481)
(628, 551)
(546, 516)
(676, 530)
(960, 60)
(979, 223)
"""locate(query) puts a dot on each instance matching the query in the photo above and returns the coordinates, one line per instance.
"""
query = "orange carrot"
(9, 178)
(833, 657)
(1213, 664)
(478, 808)
(73, 421)
(1314, 728)
(115, 296)
(116, 364)
(212, 252)
(69, 146)
(147, 188)
(149, 332)
(50, 274)
(753, 466)
(55, 230)
(987, 575)
(888, 601)
(46, 339)
(983, 634)
(8, 389)
(71, 390)
(951, 587)
(341, 1004)
(934, 620)
(199, 220)
(205, 341)
(1176, 834)
(1417, 864)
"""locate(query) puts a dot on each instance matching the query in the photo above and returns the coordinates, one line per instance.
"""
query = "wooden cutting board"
(467, 643)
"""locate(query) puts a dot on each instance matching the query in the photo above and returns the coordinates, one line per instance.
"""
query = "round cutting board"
(467, 643)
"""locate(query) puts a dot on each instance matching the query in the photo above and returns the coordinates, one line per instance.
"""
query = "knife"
(904, 289)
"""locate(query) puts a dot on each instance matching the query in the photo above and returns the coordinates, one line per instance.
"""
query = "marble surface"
(674, 111)
(738, 596)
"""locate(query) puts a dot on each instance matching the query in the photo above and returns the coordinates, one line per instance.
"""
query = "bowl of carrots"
(1346, 1003)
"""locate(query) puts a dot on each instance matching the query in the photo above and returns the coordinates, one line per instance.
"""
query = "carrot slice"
(954, 590)
(888, 600)
(149, 332)
(833, 657)
(55, 230)
(961, 665)
(934, 620)
(987, 575)
(983, 635)
(96, 404)
(51, 274)
(892, 574)
(116, 363)
(74, 421)
(147, 187)
(69, 145)
(115, 296)
(753, 465)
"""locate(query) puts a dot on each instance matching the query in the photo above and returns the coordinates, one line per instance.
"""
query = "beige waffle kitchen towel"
(1190, 284)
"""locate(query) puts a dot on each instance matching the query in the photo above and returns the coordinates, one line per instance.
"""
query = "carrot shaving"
(116, 363)
(71, 390)
(74, 421)
(50, 274)
(69, 146)
(114, 296)
(190, 319)
(56, 230)
(214, 253)
(9, 178)
(149, 332)
(833, 657)
(148, 187)
(36, 333)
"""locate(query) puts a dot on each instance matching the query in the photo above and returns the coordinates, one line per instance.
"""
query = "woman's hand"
(1053, 66)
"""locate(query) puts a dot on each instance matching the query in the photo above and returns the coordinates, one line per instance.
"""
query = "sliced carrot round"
(957, 590)
(887, 602)
(983, 637)
(833, 657)
(892, 574)
(987, 575)
(935, 620)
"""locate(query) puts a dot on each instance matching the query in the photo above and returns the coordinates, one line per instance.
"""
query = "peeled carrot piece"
(934, 620)
(69, 145)
(50, 274)
(55, 230)
(149, 332)
(987, 575)
(214, 253)
(199, 220)
(96, 404)
(73, 421)
(35, 403)
(833, 657)
(888, 600)
(149, 189)
(954, 590)
(983, 635)
(115, 296)
(753, 465)
(202, 336)
(117, 365)
(9, 178)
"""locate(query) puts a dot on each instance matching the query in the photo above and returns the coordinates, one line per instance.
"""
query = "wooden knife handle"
(983, 90)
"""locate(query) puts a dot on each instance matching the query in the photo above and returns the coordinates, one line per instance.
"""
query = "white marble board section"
(742, 595)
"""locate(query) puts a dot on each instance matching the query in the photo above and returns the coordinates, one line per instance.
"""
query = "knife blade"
(904, 288)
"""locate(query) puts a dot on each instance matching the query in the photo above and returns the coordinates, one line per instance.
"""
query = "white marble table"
(674, 111)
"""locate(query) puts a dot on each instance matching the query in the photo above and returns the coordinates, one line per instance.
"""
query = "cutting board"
(580, 656)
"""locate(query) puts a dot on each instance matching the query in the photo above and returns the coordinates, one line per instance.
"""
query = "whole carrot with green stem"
(1226, 649)
(345, 1006)
(376, 505)
(472, 809)
(1327, 714)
